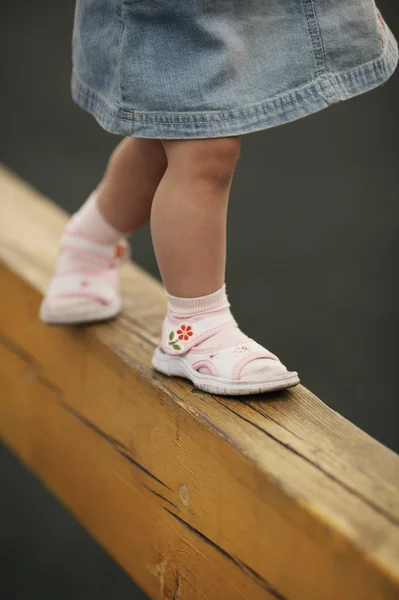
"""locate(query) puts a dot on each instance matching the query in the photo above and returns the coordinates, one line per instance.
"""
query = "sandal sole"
(51, 317)
(175, 366)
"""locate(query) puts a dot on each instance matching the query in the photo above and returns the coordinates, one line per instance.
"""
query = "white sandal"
(178, 356)
(98, 285)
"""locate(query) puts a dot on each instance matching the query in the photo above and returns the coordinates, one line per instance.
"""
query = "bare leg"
(127, 188)
(189, 210)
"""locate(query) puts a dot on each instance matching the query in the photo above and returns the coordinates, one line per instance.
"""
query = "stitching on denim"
(381, 25)
(119, 53)
(323, 51)
(286, 99)
(306, 87)
(89, 90)
(314, 31)
(277, 100)
(382, 29)
(262, 108)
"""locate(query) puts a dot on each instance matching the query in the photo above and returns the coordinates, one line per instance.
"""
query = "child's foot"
(210, 350)
(85, 283)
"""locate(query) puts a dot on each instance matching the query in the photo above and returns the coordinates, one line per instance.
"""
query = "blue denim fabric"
(212, 68)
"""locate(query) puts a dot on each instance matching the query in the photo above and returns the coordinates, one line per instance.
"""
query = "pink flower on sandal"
(184, 332)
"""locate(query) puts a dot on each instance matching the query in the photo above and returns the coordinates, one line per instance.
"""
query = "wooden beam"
(197, 496)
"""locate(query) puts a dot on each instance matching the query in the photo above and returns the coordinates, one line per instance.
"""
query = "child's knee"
(211, 159)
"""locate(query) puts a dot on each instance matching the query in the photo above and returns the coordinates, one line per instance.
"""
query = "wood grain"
(195, 495)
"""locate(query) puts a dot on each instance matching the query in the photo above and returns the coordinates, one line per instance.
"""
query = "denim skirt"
(212, 68)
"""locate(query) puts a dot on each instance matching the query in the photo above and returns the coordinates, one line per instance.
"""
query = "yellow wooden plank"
(300, 502)
(125, 508)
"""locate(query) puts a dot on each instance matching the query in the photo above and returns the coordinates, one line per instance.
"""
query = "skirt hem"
(328, 89)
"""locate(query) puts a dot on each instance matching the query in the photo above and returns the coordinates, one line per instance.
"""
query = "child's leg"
(188, 219)
(127, 188)
(200, 338)
(85, 284)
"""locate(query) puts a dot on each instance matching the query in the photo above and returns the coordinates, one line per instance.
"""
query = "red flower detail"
(184, 332)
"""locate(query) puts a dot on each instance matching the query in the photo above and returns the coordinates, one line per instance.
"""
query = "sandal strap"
(180, 336)
(111, 252)
(80, 285)
(229, 362)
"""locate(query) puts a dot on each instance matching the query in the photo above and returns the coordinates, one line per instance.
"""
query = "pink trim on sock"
(207, 364)
(246, 359)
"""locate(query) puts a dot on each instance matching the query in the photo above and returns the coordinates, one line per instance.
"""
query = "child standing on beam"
(182, 82)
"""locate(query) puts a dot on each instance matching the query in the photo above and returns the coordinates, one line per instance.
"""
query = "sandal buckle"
(121, 250)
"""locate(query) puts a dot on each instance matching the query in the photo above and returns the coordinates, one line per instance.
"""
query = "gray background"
(312, 266)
